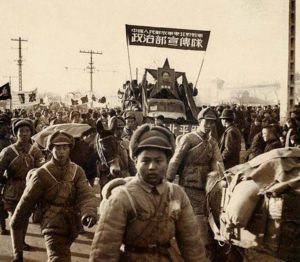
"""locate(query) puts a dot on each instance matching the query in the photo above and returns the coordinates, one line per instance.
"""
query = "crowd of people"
(149, 211)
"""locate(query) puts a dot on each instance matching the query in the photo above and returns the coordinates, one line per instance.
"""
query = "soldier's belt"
(151, 249)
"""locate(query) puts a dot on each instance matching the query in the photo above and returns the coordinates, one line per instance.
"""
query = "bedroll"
(260, 206)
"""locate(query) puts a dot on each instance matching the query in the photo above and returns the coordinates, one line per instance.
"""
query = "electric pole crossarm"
(91, 67)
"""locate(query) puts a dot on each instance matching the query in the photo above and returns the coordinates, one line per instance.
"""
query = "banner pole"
(129, 60)
(200, 70)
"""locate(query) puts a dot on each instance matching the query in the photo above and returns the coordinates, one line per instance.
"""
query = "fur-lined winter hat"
(156, 137)
(22, 122)
(207, 113)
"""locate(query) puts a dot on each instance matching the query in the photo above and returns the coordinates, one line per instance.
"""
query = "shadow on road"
(34, 235)
(75, 254)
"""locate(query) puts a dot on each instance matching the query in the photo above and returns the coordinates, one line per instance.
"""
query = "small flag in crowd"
(102, 100)
(94, 98)
(74, 102)
(21, 98)
(5, 92)
(32, 97)
(42, 101)
(84, 99)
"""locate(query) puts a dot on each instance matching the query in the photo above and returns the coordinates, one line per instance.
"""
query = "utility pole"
(20, 60)
(9, 79)
(91, 65)
(289, 101)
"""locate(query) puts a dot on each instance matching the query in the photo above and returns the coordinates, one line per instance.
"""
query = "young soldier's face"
(152, 165)
(206, 125)
(24, 134)
(61, 153)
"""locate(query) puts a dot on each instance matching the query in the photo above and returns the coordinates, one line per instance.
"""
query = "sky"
(247, 45)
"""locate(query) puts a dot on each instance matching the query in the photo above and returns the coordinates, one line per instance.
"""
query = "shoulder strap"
(75, 167)
(125, 190)
(201, 140)
(47, 170)
(15, 150)
(30, 149)
(171, 190)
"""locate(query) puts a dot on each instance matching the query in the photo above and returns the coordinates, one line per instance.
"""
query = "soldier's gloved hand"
(88, 221)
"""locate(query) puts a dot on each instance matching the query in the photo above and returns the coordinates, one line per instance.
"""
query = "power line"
(20, 60)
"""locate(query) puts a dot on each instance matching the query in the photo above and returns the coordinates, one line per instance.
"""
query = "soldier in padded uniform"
(63, 193)
(4, 142)
(146, 213)
(15, 162)
(196, 155)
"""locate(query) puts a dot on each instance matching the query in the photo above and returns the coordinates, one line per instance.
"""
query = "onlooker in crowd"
(230, 144)
(59, 118)
(75, 117)
(271, 139)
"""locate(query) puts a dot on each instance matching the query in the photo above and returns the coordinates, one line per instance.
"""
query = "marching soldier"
(130, 125)
(15, 162)
(4, 142)
(196, 155)
(63, 193)
(129, 128)
(145, 212)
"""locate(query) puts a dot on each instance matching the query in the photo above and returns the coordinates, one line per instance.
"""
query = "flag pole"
(10, 102)
(200, 70)
(129, 59)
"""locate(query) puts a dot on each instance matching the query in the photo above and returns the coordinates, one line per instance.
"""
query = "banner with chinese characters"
(167, 37)
(24, 99)
(181, 129)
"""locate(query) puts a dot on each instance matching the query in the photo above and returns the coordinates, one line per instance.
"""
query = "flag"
(74, 102)
(94, 98)
(185, 39)
(21, 98)
(5, 92)
(102, 100)
(32, 97)
(84, 99)
(42, 101)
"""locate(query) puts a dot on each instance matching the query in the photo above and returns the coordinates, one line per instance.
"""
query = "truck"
(162, 91)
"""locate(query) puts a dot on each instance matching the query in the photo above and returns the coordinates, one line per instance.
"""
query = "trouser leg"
(18, 238)
(2, 224)
(58, 248)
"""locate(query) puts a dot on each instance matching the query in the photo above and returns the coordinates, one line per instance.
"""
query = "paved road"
(80, 248)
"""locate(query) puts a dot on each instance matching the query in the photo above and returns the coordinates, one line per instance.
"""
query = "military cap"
(227, 114)
(22, 122)
(129, 114)
(207, 113)
(5, 119)
(60, 138)
(147, 136)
